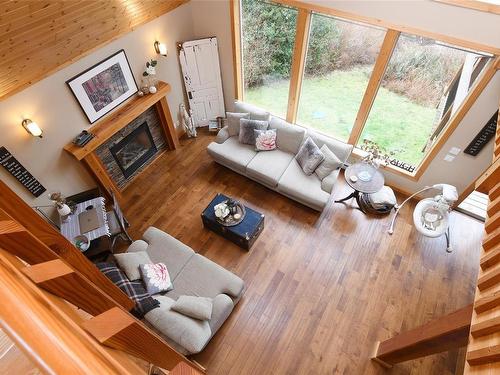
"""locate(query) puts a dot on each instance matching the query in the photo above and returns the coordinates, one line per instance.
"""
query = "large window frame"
(393, 32)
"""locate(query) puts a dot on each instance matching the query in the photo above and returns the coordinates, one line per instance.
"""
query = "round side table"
(360, 186)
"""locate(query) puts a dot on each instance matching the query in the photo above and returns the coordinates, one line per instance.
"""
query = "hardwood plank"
(492, 239)
(167, 123)
(320, 289)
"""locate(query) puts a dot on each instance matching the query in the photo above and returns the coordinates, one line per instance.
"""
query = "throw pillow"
(156, 278)
(144, 303)
(130, 262)
(309, 156)
(233, 122)
(247, 127)
(265, 140)
(327, 166)
(195, 307)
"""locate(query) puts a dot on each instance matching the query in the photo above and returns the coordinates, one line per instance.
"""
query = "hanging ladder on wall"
(483, 351)
(36, 284)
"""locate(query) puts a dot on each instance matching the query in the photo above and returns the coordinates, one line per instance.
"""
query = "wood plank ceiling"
(39, 37)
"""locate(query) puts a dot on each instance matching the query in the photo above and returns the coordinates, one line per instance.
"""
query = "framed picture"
(104, 86)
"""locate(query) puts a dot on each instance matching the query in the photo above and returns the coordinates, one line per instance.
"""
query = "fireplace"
(133, 151)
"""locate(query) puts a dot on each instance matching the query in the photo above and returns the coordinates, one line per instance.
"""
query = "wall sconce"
(32, 128)
(161, 48)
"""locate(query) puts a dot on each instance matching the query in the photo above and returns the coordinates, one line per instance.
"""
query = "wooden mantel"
(121, 117)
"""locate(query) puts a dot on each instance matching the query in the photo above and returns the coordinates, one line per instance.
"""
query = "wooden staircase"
(483, 350)
(61, 313)
(476, 326)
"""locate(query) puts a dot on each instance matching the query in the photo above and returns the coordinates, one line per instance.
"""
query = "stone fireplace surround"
(120, 121)
(150, 117)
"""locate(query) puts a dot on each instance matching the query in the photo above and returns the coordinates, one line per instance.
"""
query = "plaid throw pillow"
(134, 289)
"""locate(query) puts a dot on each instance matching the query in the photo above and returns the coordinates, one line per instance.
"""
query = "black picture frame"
(81, 97)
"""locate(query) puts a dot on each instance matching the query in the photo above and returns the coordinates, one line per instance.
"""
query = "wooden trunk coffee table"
(374, 184)
(243, 234)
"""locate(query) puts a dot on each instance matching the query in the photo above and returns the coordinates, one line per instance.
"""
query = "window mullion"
(298, 63)
(390, 40)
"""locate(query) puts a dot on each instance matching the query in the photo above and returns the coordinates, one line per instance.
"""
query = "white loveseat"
(278, 170)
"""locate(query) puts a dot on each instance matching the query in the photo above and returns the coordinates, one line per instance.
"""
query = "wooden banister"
(54, 343)
(445, 333)
(58, 278)
(23, 214)
(117, 329)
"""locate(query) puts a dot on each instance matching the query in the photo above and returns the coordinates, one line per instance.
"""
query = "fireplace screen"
(134, 150)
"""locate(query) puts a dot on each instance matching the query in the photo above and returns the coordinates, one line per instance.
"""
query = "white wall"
(51, 104)
(212, 18)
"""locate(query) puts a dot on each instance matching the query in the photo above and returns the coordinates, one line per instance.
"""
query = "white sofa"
(278, 170)
(193, 275)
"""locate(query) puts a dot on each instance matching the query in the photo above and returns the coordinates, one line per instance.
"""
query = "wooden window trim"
(389, 25)
(482, 6)
(388, 45)
(298, 63)
(235, 12)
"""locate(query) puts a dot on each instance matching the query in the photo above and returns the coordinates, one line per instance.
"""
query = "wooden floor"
(321, 289)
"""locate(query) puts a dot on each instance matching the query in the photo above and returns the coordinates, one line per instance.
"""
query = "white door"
(200, 67)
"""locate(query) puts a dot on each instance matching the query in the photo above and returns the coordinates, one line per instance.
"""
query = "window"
(424, 84)
(268, 38)
(342, 86)
(339, 62)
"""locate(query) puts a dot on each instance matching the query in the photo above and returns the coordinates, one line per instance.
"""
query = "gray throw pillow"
(331, 163)
(156, 278)
(195, 307)
(309, 156)
(130, 262)
(247, 127)
(233, 122)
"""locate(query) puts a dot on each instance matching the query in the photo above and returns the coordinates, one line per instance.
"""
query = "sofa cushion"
(268, 167)
(306, 189)
(194, 307)
(256, 113)
(134, 289)
(233, 153)
(327, 166)
(163, 248)
(340, 149)
(204, 278)
(233, 122)
(247, 130)
(191, 334)
(309, 156)
(222, 306)
(289, 137)
(130, 262)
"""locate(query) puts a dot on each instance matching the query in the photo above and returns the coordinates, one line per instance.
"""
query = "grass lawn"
(330, 104)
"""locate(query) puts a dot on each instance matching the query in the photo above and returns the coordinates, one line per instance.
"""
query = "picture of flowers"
(105, 87)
